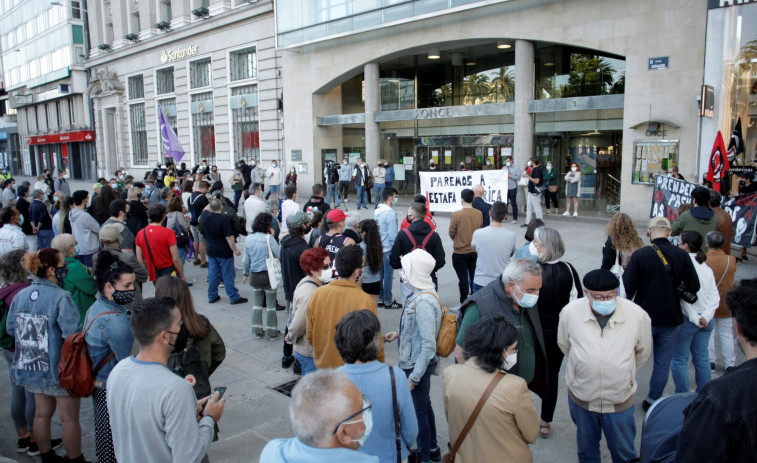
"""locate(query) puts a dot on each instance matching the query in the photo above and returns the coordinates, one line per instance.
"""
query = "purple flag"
(170, 140)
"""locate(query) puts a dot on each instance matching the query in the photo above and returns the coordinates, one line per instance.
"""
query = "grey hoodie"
(86, 231)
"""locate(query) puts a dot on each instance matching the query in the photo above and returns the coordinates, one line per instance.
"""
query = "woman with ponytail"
(694, 333)
(40, 318)
(109, 338)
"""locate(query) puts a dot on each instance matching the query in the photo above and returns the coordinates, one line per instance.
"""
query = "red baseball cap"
(336, 215)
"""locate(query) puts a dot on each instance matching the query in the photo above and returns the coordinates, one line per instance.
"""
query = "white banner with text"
(443, 188)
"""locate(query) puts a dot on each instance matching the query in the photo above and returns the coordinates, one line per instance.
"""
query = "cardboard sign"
(742, 212)
(669, 194)
(443, 188)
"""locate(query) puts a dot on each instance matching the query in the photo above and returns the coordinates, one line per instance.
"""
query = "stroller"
(662, 424)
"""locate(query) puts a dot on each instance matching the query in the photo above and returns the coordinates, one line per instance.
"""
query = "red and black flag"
(736, 145)
(718, 162)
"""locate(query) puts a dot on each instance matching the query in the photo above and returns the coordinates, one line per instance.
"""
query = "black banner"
(669, 194)
(742, 212)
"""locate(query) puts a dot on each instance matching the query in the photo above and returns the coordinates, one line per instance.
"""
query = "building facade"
(612, 86)
(43, 47)
(210, 66)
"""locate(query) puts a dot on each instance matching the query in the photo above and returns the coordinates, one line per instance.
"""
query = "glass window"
(138, 133)
(164, 80)
(243, 64)
(23, 72)
(136, 87)
(565, 72)
(169, 109)
(57, 57)
(34, 69)
(45, 64)
(76, 9)
(199, 73)
(30, 28)
(244, 120)
(203, 130)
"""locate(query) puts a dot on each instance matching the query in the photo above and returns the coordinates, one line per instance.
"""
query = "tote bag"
(273, 265)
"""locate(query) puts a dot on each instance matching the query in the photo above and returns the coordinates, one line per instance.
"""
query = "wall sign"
(658, 63)
(707, 103)
(443, 188)
(168, 56)
(711, 4)
(653, 157)
(83, 135)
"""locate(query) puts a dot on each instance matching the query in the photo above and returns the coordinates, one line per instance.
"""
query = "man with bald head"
(331, 420)
(480, 204)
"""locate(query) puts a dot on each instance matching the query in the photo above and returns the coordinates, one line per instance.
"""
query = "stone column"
(148, 16)
(372, 104)
(96, 25)
(121, 15)
(524, 91)
(181, 10)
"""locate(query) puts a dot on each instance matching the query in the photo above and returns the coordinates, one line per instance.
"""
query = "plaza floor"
(255, 413)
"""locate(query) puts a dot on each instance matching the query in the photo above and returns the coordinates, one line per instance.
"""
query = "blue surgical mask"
(604, 307)
(77, 249)
(528, 300)
(368, 421)
(394, 203)
(22, 221)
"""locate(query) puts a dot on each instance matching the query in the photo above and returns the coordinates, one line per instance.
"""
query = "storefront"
(74, 151)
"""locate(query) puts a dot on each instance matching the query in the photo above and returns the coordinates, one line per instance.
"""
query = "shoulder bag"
(273, 265)
(445, 338)
(617, 270)
(450, 457)
(683, 292)
(414, 456)
(574, 289)
(158, 271)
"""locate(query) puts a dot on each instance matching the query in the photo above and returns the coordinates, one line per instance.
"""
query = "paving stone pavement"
(255, 413)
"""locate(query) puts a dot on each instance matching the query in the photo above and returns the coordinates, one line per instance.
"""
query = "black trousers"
(512, 198)
(554, 361)
(465, 267)
(344, 188)
(550, 196)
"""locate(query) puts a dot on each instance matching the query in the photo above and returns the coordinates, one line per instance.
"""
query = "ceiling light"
(503, 45)
(434, 53)
(549, 64)
(470, 63)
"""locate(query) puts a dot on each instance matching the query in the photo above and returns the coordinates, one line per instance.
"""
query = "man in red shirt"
(156, 246)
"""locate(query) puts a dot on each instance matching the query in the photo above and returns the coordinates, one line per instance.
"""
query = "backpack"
(190, 365)
(7, 341)
(415, 243)
(182, 238)
(75, 367)
(190, 205)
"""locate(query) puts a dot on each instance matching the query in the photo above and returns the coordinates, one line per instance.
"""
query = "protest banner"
(443, 188)
(742, 212)
(669, 194)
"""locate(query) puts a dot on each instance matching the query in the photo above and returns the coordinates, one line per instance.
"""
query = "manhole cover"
(287, 387)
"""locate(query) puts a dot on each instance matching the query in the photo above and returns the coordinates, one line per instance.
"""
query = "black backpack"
(190, 365)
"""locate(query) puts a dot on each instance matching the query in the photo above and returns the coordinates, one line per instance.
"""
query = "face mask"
(508, 164)
(573, 169)
(275, 165)
(742, 183)
(147, 188)
(122, 176)
(77, 249)
(21, 220)
(123, 297)
(530, 164)
(292, 171)
(532, 249)
(510, 361)
(381, 165)
(368, 421)
(114, 185)
(604, 307)
(528, 300)
(394, 203)
(488, 163)
(61, 274)
(344, 163)
(409, 219)
(549, 167)
(326, 276)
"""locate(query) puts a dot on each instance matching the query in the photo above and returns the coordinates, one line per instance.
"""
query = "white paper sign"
(443, 188)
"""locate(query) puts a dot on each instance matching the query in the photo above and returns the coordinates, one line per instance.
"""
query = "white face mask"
(510, 360)
(532, 249)
(325, 276)
(530, 164)
(574, 169)
(508, 163)
(344, 162)
(549, 167)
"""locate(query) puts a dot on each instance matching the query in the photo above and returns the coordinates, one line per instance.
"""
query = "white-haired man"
(331, 419)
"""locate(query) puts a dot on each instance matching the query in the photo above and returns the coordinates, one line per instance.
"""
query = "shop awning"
(68, 137)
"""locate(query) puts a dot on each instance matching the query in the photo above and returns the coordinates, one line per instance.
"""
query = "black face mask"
(409, 219)
(742, 183)
(123, 297)
(61, 273)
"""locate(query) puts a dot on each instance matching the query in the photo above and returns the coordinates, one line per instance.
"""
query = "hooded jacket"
(701, 219)
(316, 203)
(402, 245)
(86, 231)
(292, 248)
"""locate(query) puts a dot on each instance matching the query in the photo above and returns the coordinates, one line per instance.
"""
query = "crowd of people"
(78, 262)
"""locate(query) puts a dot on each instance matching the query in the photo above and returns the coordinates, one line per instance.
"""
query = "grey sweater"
(152, 415)
(86, 231)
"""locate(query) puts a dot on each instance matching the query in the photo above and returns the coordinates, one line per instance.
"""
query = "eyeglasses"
(366, 406)
(327, 266)
(602, 298)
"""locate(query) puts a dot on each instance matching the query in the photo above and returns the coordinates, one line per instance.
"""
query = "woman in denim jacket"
(40, 318)
(109, 338)
(254, 267)
(419, 328)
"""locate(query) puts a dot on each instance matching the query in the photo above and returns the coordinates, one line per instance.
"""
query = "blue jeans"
(332, 195)
(424, 413)
(183, 255)
(476, 287)
(663, 343)
(619, 429)
(379, 188)
(387, 280)
(44, 238)
(237, 197)
(691, 337)
(221, 267)
(308, 364)
(22, 403)
(361, 196)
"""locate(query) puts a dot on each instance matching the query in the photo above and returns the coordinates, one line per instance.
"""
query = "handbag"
(190, 365)
(574, 289)
(450, 457)
(273, 265)
(523, 182)
(683, 291)
(414, 456)
(158, 271)
(553, 188)
(618, 270)
(445, 338)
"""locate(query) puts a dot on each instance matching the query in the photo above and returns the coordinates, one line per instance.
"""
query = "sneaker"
(393, 305)
(645, 405)
(197, 262)
(278, 335)
(436, 454)
(241, 300)
(215, 299)
(380, 303)
(523, 225)
(575, 214)
(23, 444)
(33, 450)
(204, 265)
(221, 285)
(729, 369)
(297, 367)
(566, 213)
(280, 307)
(287, 361)
(712, 367)
(514, 221)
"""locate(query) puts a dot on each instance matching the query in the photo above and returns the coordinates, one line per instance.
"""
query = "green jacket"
(700, 219)
(81, 285)
(211, 348)
(550, 177)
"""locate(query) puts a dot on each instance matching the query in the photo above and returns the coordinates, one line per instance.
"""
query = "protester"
(253, 205)
(508, 422)
(292, 247)
(9, 197)
(11, 234)
(429, 219)
(700, 218)
(291, 178)
(119, 210)
(40, 317)
(85, 228)
(560, 285)
(654, 286)
(370, 243)
(724, 270)
(197, 203)
(357, 340)
(175, 219)
(333, 240)
(272, 207)
(221, 249)
(550, 188)
(513, 176)
(154, 415)
(514, 296)
(361, 179)
(622, 242)
(315, 228)
(332, 185)
(316, 202)
(237, 184)
(156, 246)
(725, 223)
(481, 205)
(386, 218)
(379, 181)
(100, 208)
(273, 175)
(42, 223)
(257, 175)
(78, 280)
(719, 423)
(137, 219)
(288, 207)
(109, 339)
(494, 247)
(331, 420)
(61, 222)
(572, 189)
(527, 250)
(316, 263)
(61, 184)
(227, 209)
(601, 375)
(111, 235)
(389, 175)
(331, 302)
(462, 224)
(23, 205)
(259, 246)
(694, 333)
(345, 176)
(533, 192)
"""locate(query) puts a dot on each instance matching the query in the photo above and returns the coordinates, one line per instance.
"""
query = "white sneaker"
(566, 213)
(514, 221)
(575, 214)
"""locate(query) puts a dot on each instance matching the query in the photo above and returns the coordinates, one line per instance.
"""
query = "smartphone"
(220, 391)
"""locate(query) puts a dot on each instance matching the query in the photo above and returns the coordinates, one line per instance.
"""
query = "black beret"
(600, 280)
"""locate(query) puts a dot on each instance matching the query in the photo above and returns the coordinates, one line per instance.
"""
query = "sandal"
(542, 433)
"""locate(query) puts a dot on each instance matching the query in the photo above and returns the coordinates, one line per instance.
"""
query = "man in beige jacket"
(605, 338)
